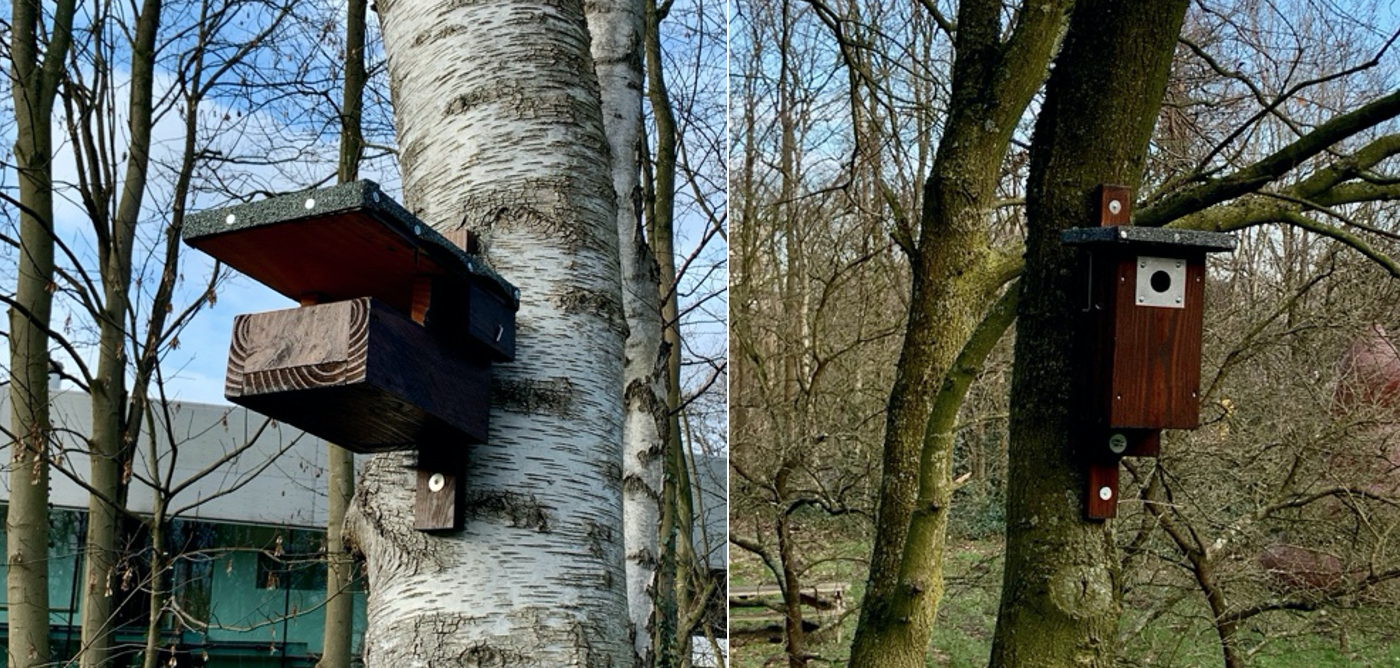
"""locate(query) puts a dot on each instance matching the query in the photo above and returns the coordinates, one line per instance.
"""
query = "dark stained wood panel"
(1156, 355)
(439, 504)
(359, 374)
(1102, 475)
(1107, 195)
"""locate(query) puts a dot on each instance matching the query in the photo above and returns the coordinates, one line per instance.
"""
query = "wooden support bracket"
(441, 489)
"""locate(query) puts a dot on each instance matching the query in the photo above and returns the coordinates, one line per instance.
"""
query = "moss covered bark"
(1062, 592)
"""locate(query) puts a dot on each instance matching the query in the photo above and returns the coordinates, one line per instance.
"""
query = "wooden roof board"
(341, 242)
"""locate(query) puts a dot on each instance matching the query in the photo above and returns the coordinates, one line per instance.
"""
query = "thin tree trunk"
(617, 28)
(108, 389)
(337, 638)
(500, 130)
(1061, 593)
(155, 579)
(34, 83)
(678, 558)
(793, 634)
(338, 635)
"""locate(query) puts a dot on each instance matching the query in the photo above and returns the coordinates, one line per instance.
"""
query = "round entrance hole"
(1161, 281)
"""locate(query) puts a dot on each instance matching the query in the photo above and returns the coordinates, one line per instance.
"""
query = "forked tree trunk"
(111, 438)
(500, 132)
(34, 82)
(1061, 595)
(617, 28)
(956, 277)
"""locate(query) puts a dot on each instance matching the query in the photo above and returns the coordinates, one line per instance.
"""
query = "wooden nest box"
(392, 346)
(1143, 314)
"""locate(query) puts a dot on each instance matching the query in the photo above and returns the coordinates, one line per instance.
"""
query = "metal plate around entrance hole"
(1161, 282)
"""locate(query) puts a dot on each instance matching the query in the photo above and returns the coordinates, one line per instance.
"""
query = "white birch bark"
(616, 27)
(499, 128)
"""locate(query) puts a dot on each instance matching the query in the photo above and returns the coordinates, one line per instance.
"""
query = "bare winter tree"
(983, 67)
(39, 45)
(500, 132)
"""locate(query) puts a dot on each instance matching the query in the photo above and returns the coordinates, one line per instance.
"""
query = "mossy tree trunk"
(1061, 593)
(956, 274)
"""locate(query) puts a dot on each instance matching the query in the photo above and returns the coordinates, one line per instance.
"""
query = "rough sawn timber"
(360, 374)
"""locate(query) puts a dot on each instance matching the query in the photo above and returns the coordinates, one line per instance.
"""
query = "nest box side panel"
(452, 386)
(1156, 355)
(358, 374)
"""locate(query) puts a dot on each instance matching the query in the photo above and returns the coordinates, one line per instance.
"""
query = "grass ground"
(1361, 638)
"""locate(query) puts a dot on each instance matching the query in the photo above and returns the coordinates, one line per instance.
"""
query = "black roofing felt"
(1131, 237)
(363, 195)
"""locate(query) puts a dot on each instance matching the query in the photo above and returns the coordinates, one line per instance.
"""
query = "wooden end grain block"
(359, 374)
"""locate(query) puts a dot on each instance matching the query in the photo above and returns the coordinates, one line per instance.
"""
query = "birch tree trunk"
(35, 73)
(617, 28)
(500, 132)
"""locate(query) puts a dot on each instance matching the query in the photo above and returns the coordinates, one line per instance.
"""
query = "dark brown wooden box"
(1146, 367)
(359, 374)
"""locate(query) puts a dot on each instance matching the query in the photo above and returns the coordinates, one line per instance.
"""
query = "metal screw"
(517, 294)
(231, 219)
(1142, 265)
(310, 204)
(1117, 443)
(1141, 299)
(436, 482)
(1178, 264)
(375, 196)
(500, 329)
(417, 230)
(1114, 206)
(1105, 493)
(1178, 300)
(470, 267)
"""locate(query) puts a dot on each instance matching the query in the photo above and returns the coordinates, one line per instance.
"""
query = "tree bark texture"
(338, 632)
(955, 278)
(617, 28)
(498, 114)
(112, 437)
(1061, 595)
(35, 72)
(677, 560)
